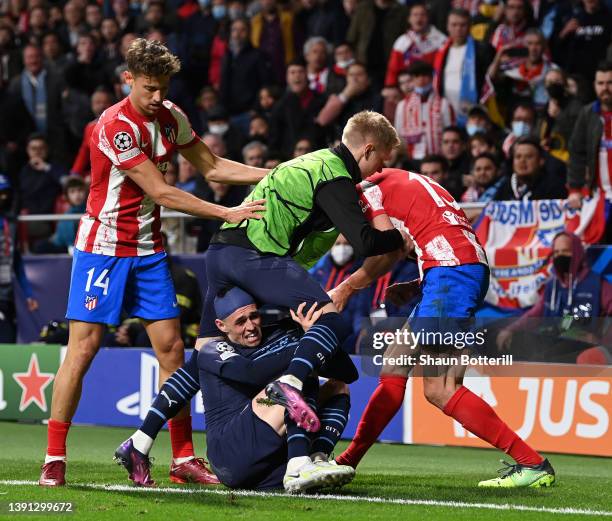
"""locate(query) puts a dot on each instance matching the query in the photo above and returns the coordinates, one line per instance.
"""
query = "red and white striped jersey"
(441, 232)
(410, 47)
(121, 220)
(604, 164)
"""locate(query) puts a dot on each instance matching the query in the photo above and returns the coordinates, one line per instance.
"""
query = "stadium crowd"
(493, 100)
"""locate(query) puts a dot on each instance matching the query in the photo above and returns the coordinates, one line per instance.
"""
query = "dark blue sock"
(334, 417)
(177, 391)
(318, 345)
(298, 439)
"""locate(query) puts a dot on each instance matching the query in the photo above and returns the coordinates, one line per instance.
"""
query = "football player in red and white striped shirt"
(454, 280)
(119, 262)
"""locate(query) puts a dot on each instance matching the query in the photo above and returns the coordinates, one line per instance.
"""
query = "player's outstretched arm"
(150, 179)
(219, 169)
(372, 268)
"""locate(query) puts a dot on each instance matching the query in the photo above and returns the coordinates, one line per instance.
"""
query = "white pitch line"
(329, 497)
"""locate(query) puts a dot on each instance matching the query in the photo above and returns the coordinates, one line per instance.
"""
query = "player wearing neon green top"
(290, 226)
(309, 200)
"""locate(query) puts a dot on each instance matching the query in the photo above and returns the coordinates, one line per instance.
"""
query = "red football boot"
(53, 474)
(193, 471)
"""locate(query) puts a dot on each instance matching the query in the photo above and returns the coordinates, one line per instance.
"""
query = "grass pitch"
(393, 482)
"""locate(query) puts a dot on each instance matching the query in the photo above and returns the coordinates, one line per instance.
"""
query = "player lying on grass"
(249, 441)
(454, 282)
(118, 259)
(309, 200)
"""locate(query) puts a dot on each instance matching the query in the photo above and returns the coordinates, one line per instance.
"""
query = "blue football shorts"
(101, 287)
(450, 297)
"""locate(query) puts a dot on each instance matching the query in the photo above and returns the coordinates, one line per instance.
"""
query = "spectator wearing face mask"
(522, 125)
(220, 125)
(332, 269)
(343, 57)
(421, 117)
(575, 291)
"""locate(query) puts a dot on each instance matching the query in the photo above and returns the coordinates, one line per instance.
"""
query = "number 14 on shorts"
(102, 281)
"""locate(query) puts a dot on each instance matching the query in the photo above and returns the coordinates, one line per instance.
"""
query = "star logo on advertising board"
(33, 384)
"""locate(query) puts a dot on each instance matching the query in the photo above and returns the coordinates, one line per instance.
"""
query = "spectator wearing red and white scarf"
(316, 54)
(419, 43)
(423, 114)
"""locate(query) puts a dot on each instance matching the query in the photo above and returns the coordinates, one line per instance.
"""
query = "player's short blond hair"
(369, 125)
(151, 58)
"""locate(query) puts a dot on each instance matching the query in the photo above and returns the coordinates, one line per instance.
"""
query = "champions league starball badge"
(122, 141)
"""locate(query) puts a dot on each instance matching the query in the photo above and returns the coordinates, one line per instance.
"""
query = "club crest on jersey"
(122, 141)
(91, 301)
(170, 133)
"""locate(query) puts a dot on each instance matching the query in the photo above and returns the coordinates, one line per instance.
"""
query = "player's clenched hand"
(249, 210)
(340, 295)
(401, 293)
(306, 321)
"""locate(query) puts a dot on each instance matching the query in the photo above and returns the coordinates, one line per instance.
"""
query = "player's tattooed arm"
(219, 169)
(150, 179)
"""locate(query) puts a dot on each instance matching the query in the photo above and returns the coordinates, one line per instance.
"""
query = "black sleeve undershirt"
(338, 199)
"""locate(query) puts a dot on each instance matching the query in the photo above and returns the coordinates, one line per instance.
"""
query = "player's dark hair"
(151, 58)
(436, 158)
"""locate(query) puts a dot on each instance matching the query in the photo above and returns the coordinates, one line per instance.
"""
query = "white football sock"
(142, 442)
(49, 459)
(291, 380)
(178, 461)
